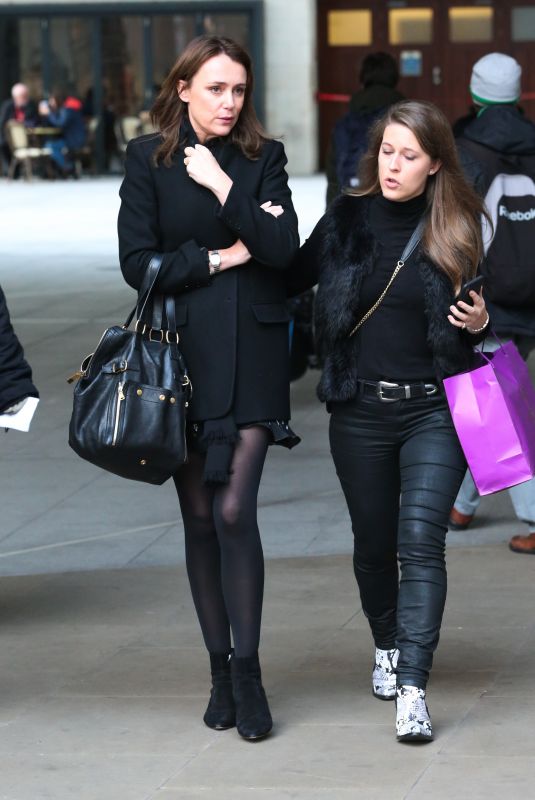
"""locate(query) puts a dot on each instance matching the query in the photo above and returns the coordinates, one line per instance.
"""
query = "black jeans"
(381, 451)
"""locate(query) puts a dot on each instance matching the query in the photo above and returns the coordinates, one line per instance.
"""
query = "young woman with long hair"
(387, 340)
(209, 191)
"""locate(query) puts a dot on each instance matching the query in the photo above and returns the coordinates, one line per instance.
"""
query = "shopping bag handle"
(481, 352)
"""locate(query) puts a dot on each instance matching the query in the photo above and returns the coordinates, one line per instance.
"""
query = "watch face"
(215, 260)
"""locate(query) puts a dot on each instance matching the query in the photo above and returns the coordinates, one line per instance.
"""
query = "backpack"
(351, 142)
(509, 245)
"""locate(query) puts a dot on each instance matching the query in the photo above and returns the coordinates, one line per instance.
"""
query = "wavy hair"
(169, 111)
(452, 237)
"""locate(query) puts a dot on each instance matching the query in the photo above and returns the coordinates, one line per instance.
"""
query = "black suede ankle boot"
(253, 717)
(221, 711)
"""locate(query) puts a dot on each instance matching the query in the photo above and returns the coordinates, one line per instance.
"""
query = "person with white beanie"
(497, 151)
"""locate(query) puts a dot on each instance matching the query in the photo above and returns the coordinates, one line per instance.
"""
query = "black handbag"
(132, 394)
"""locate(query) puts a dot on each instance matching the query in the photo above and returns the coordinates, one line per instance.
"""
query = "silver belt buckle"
(386, 385)
(430, 389)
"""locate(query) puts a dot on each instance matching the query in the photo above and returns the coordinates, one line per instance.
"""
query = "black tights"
(224, 555)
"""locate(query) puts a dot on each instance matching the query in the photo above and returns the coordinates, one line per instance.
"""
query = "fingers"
(466, 315)
(276, 211)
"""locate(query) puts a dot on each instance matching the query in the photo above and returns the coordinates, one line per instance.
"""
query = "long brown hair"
(452, 237)
(169, 111)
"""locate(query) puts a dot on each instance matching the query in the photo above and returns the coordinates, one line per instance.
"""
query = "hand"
(463, 315)
(271, 209)
(43, 108)
(234, 256)
(203, 168)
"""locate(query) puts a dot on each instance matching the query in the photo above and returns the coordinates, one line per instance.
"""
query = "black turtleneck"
(393, 341)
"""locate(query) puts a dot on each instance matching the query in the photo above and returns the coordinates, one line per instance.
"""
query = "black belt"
(391, 392)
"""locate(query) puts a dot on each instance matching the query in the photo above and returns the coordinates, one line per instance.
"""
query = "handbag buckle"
(168, 338)
(122, 366)
(153, 330)
(381, 386)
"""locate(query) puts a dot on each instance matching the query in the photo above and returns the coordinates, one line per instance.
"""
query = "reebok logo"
(506, 186)
(516, 216)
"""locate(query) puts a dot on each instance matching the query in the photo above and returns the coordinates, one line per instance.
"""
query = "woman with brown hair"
(210, 192)
(389, 330)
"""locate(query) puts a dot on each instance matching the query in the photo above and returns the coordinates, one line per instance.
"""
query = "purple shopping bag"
(493, 410)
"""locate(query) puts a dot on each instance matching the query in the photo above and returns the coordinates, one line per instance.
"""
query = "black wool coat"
(233, 326)
(340, 252)
(15, 373)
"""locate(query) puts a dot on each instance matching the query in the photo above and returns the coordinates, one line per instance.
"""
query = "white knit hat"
(495, 79)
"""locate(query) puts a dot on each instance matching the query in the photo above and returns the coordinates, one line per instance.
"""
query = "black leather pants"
(383, 451)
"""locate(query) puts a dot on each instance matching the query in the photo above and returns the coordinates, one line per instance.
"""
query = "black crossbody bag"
(133, 392)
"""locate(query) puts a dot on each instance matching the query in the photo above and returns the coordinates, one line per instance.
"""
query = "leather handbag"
(132, 394)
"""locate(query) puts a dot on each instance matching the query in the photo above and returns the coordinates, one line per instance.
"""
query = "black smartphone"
(470, 286)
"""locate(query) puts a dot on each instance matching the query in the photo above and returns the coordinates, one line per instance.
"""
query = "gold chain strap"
(378, 302)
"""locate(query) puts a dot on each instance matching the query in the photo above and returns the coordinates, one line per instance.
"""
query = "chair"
(126, 128)
(83, 157)
(146, 123)
(21, 151)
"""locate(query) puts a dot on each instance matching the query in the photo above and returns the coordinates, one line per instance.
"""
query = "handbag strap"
(158, 310)
(410, 247)
(147, 285)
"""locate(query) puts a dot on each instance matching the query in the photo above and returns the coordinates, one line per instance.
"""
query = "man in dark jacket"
(19, 108)
(497, 150)
(379, 76)
(15, 374)
(64, 112)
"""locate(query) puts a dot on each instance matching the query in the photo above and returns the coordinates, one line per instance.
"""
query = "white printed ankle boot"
(384, 674)
(412, 715)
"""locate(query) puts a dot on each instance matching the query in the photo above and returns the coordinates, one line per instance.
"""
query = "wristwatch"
(214, 261)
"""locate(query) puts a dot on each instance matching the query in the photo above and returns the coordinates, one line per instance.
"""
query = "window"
(29, 69)
(523, 24)
(123, 64)
(471, 24)
(236, 26)
(410, 26)
(170, 35)
(71, 55)
(346, 28)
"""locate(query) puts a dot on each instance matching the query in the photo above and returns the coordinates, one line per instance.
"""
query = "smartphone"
(470, 286)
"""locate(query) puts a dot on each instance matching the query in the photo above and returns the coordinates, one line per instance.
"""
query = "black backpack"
(351, 142)
(509, 263)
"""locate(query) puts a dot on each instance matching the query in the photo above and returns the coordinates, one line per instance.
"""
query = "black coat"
(15, 372)
(501, 140)
(7, 112)
(339, 253)
(234, 326)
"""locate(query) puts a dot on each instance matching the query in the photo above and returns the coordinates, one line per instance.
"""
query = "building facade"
(114, 55)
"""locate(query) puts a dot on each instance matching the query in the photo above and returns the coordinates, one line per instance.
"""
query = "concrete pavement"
(104, 678)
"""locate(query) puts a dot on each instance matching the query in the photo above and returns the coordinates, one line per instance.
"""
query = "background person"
(19, 108)
(210, 192)
(378, 76)
(65, 112)
(497, 150)
(391, 432)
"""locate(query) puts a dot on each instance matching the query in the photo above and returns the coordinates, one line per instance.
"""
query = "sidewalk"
(103, 676)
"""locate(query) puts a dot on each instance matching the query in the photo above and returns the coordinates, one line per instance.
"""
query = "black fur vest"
(348, 254)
